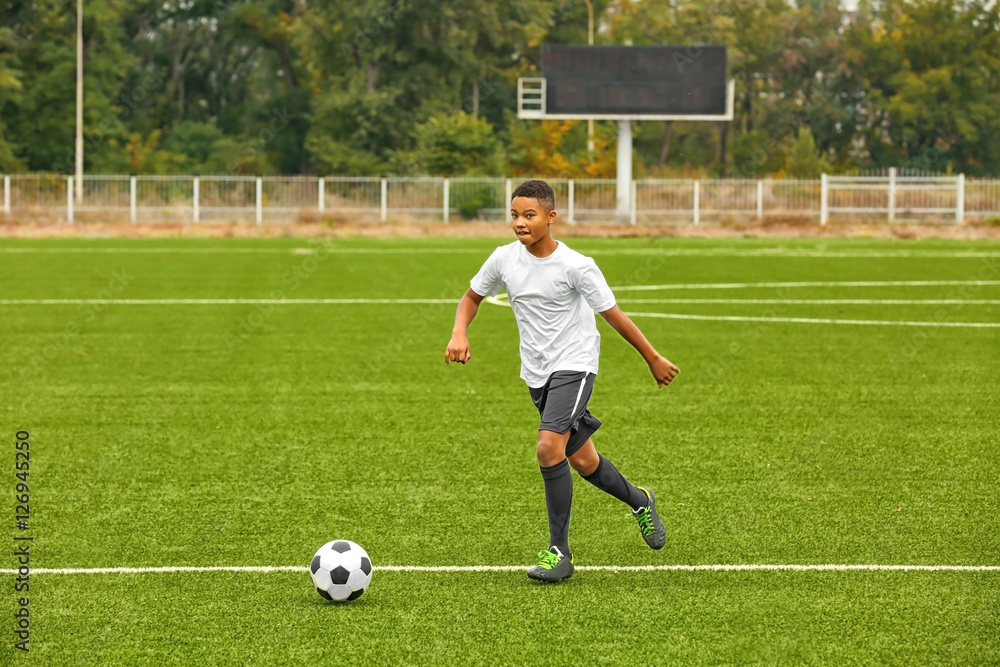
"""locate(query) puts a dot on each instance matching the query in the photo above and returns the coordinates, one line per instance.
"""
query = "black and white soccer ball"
(341, 571)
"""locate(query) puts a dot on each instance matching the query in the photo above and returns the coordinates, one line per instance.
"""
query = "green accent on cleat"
(649, 522)
(552, 566)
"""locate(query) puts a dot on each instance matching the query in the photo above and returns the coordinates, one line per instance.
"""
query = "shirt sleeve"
(594, 288)
(488, 281)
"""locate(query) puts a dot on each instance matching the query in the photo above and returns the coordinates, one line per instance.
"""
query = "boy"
(554, 292)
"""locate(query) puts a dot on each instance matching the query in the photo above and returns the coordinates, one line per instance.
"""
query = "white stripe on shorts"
(583, 383)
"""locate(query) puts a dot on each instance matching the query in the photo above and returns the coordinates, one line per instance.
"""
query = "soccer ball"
(341, 571)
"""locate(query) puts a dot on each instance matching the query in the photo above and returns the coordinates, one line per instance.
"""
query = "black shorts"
(562, 405)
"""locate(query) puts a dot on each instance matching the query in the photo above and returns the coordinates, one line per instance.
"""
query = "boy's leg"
(604, 475)
(561, 403)
(558, 486)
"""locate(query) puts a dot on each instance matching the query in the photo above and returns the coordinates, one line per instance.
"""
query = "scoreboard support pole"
(624, 180)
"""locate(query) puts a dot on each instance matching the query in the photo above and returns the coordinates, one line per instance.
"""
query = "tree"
(381, 69)
(10, 89)
(258, 86)
(43, 114)
(804, 161)
(928, 79)
(454, 145)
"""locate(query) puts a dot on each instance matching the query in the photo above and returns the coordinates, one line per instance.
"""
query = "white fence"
(892, 198)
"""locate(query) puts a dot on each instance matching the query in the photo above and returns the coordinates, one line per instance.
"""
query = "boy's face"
(530, 219)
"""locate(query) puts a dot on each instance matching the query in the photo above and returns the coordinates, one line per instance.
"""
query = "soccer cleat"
(649, 522)
(552, 566)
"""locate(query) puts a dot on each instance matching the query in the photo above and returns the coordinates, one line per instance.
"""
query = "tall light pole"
(590, 42)
(79, 101)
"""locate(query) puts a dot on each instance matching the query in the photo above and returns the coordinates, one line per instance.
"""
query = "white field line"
(809, 320)
(214, 302)
(783, 252)
(665, 252)
(850, 283)
(829, 302)
(500, 300)
(750, 567)
(247, 251)
(155, 251)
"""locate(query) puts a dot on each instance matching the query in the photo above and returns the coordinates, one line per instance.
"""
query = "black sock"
(608, 479)
(558, 499)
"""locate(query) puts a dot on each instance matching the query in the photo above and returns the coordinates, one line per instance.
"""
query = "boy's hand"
(663, 370)
(458, 350)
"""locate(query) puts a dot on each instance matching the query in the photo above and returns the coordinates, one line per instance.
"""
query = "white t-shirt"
(554, 299)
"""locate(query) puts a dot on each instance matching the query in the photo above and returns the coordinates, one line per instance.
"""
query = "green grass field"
(178, 433)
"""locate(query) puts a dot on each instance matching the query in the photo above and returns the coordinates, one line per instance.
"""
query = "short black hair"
(539, 190)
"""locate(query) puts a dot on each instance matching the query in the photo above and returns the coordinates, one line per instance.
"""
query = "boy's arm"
(458, 346)
(661, 368)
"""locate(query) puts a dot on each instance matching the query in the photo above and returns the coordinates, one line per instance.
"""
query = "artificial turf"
(250, 434)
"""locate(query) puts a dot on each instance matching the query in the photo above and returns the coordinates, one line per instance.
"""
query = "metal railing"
(251, 199)
(894, 197)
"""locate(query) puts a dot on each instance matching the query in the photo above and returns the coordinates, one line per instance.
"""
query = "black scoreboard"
(635, 80)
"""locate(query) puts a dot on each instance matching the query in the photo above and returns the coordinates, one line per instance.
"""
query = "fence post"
(824, 191)
(892, 194)
(633, 205)
(132, 205)
(697, 201)
(570, 197)
(258, 203)
(6, 194)
(195, 210)
(960, 199)
(446, 198)
(384, 198)
(69, 199)
(760, 200)
(509, 191)
(321, 203)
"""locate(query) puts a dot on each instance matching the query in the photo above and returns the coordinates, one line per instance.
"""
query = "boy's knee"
(585, 462)
(551, 448)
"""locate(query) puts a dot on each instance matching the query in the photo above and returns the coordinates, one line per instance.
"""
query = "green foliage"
(335, 88)
(379, 70)
(928, 71)
(454, 145)
(42, 45)
(559, 148)
(339, 157)
(133, 153)
(471, 201)
(10, 90)
(756, 154)
(804, 161)
(196, 141)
